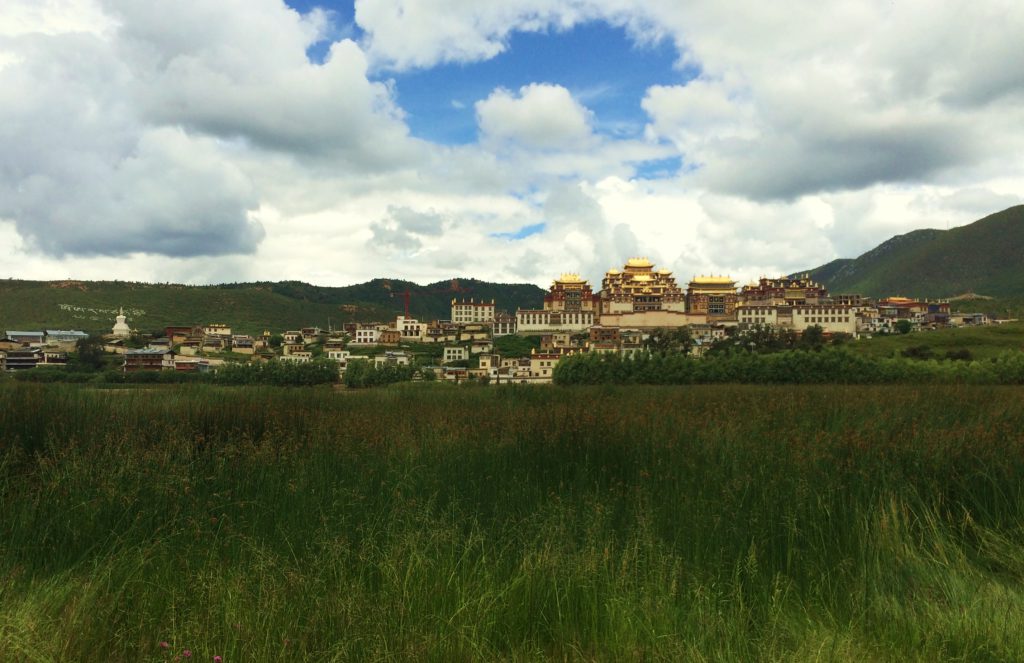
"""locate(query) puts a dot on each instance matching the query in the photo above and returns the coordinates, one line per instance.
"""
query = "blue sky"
(602, 67)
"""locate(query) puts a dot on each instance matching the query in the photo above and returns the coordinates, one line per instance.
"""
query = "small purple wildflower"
(165, 645)
(218, 659)
(187, 653)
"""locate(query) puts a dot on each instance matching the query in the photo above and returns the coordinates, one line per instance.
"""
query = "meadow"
(436, 523)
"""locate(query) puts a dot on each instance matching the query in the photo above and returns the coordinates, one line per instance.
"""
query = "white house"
(455, 353)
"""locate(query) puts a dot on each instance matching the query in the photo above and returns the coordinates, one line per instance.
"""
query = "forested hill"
(248, 307)
(985, 257)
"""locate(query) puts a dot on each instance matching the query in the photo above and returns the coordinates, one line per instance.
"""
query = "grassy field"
(433, 523)
(982, 342)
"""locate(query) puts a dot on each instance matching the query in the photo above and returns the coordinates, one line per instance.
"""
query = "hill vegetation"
(247, 307)
(984, 257)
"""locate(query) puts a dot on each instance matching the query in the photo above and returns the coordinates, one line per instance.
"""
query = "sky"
(208, 141)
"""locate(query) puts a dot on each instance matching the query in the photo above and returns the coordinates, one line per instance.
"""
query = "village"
(633, 306)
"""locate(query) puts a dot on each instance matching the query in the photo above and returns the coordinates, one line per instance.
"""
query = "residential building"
(53, 357)
(366, 337)
(30, 338)
(602, 334)
(178, 335)
(474, 332)
(472, 311)
(542, 365)
(217, 329)
(292, 336)
(300, 357)
(391, 358)
(3, 362)
(389, 337)
(288, 349)
(439, 332)
(539, 321)
(455, 353)
(245, 345)
(214, 344)
(23, 359)
(147, 360)
(67, 338)
(830, 317)
(504, 324)
(479, 346)
(410, 328)
(968, 319)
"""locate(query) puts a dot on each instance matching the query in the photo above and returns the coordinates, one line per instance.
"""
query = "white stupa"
(121, 329)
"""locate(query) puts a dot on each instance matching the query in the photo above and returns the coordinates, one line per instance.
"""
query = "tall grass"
(608, 523)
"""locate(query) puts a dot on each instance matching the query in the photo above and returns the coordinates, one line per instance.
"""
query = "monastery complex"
(641, 296)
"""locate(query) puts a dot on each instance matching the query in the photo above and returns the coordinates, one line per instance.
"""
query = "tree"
(813, 338)
(670, 341)
(903, 326)
(276, 340)
(88, 354)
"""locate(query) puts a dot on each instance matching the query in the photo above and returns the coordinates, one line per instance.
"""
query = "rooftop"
(713, 280)
(639, 262)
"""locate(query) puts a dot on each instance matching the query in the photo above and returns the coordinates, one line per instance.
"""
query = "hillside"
(981, 342)
(984, 257)
(248, 307)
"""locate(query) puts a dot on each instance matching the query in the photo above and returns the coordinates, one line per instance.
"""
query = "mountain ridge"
(249, 307)
(984, 257)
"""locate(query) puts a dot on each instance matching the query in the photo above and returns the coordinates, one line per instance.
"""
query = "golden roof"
(713, 280)
(664, 272)
(641, 277)
(613, 272)
(639, 262)
(569, 278)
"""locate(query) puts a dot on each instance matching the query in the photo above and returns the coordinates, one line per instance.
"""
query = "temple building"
(568, 306)
(712, 296)
(569, 293)
(785, 290)
(637, 288)
(640, 296)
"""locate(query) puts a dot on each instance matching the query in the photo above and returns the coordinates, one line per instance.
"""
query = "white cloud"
(539, 117)
(137, 138)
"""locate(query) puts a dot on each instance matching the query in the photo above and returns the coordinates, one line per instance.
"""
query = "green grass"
(443, 524)
(982, 342)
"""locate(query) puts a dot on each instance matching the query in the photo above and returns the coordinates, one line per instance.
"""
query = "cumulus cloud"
(539, 117)
(791, 101)
(403, 229)
(130, 127)
(140, 138)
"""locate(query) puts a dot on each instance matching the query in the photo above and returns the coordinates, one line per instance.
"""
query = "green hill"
(982, 342)
(248, 307)
(984, 257)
